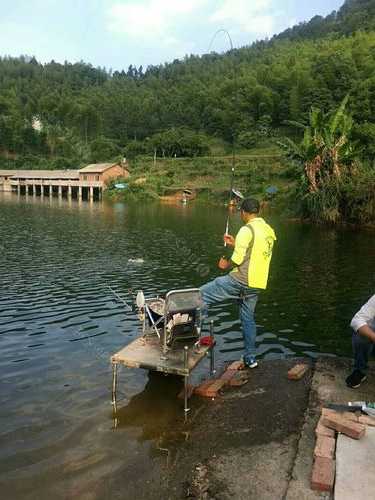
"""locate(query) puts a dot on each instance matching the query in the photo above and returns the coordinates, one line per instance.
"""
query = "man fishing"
(363, 340)
(250, 263)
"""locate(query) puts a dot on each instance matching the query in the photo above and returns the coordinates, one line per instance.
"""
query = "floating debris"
(136, 261)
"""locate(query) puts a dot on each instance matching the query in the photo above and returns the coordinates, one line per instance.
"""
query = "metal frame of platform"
(147, 353)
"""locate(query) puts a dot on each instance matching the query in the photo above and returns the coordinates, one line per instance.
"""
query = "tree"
(326, 149)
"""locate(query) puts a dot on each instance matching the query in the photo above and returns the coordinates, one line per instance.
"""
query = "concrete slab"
(355, 467)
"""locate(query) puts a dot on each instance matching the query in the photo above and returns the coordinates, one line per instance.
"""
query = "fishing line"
(225, 32)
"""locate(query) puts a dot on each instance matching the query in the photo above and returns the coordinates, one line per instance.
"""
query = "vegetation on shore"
(209, 177)
(335, 185)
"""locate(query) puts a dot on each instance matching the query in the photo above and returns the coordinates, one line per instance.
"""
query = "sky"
(116, 33)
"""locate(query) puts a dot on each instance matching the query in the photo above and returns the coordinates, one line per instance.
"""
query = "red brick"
(241, 378)
(322, 430)
(325, 447)
(323, 474)
(327, 412)
(366, 420)
(298, 371)
(213, 389)
(236, 365)
(200, 390)
(348, 415)
(210, 388)
(347, 427)
(228, 375)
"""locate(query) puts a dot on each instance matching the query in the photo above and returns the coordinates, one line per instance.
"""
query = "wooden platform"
(147, 354)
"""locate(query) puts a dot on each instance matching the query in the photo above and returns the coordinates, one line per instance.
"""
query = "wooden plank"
(147, 354)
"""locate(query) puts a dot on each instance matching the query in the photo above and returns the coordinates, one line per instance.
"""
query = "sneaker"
(250, 362)
(355, 379)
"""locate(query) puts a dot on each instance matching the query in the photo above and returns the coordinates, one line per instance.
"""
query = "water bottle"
(140, 300)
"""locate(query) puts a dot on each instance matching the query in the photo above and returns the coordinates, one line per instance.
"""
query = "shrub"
(247, 140)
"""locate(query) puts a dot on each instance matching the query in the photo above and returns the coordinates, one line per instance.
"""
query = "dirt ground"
(256, 441)
(253, 442)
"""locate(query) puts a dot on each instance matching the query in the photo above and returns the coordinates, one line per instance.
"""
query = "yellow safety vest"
(253, 252)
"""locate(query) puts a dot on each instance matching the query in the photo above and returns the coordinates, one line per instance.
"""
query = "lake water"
(60, 323)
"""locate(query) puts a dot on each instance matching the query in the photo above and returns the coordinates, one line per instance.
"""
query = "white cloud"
(250, 16)
(151, 18)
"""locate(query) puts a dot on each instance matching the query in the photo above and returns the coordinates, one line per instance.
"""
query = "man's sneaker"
(250, 362)
(355, 379)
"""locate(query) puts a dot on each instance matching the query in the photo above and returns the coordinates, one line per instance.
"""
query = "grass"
(209, 176)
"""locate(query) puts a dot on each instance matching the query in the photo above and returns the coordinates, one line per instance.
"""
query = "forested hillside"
(354, 15)
(67, 114)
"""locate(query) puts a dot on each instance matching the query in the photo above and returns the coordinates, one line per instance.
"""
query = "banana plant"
(326, 149)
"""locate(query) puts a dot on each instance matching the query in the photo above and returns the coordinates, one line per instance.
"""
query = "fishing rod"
(229, 204)
(231, 191)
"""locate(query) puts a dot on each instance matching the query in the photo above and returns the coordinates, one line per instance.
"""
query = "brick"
(347, 427)
(298, 371)
(210, 388)
(201, 388)
(228, 375)
(323, 474)
(327, 412)
(213, 389)
(241, 378)
(348, 415)
(236, 365)
(366, 420)
(325, 447)
(322, 430)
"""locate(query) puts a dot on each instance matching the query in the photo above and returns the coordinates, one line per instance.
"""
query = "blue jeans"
(228, 288)
(362, 348)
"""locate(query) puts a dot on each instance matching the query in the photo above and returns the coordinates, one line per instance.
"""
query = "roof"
(41, 174)
(97, 167)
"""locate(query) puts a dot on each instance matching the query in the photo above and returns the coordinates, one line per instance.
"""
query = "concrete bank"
(255, 441)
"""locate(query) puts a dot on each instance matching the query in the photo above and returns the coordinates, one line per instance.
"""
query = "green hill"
(354, 15)
(59, 115)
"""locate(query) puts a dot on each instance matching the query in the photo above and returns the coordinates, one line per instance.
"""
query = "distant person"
(250, 263)
(363, 341)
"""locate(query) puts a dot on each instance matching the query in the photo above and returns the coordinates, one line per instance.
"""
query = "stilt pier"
(87, 183)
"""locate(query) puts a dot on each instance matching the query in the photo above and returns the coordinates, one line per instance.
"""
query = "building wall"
(90, 177)
(110, 173)
(113, 172)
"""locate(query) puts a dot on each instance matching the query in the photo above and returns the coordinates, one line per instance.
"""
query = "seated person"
(363, 341)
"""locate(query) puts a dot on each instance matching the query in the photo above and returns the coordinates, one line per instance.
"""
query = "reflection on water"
(59, 324)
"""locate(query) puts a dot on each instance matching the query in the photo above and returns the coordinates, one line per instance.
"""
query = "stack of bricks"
(331, 422)
(232, 376)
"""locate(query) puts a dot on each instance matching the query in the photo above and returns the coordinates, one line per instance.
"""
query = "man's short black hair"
(250, 206)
